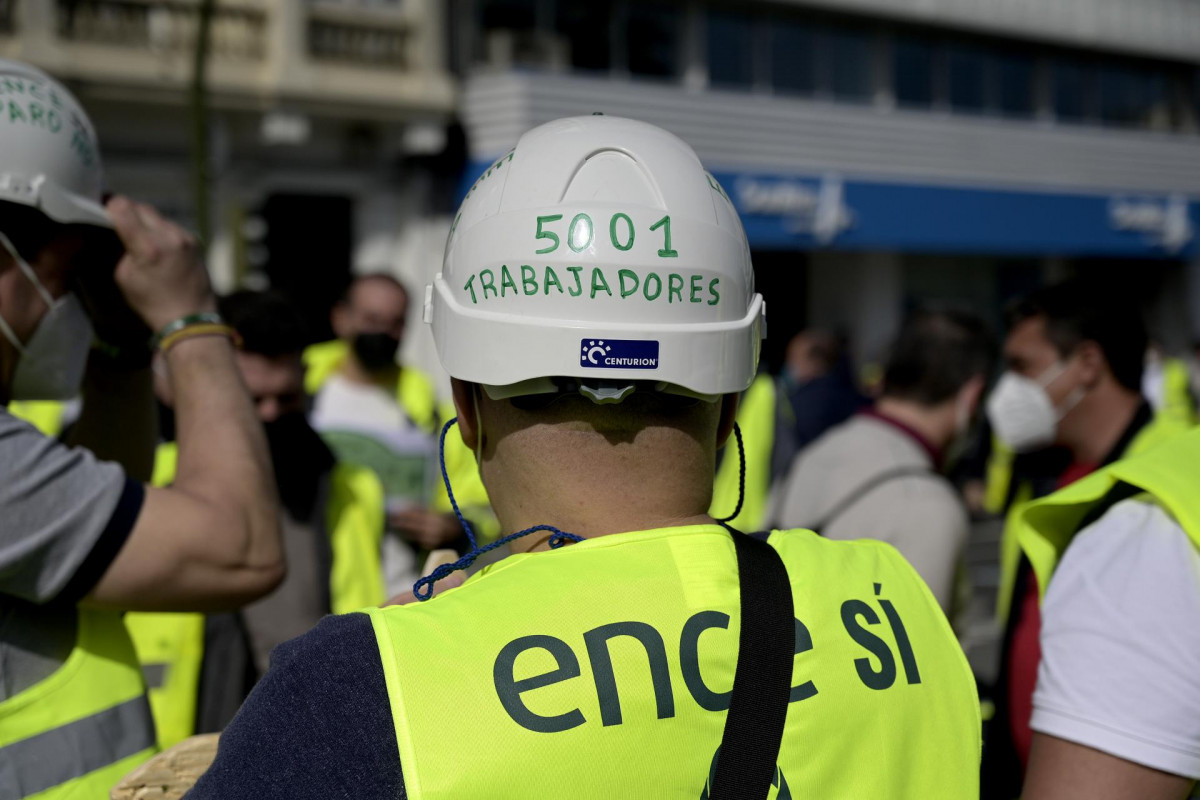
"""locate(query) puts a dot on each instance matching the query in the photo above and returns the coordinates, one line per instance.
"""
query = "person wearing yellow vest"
(849, 483)
(597, 660)
(82, 539)
(48, 416)
(1165, 385)
(1117, 555)
(200, 669)
(377, 413)
(1075, 354)
(779, 416)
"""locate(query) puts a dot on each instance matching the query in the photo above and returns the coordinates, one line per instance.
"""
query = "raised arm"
(210, 541)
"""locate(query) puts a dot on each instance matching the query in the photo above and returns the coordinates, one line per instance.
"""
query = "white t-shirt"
(364, 425)
(1120, 639)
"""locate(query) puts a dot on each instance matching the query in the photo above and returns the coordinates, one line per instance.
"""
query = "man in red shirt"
(1074, 360)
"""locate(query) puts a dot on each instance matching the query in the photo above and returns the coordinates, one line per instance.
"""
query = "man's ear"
(729, 407)
(1092, 362)
(339, 320)
(464, 405)
(972, 392)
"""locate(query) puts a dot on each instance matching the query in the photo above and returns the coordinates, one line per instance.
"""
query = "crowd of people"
(653, 570)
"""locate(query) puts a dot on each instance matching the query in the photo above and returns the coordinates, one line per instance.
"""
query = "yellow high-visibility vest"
(45, 415)
(80, 730)
(1177, 396)
(416, 395)
(170, 646)
(602, 669)
(1161, 429)
(1166, 473)
(756, 419)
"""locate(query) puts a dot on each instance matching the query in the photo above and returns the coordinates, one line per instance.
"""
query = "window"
(588, 30)
(1014, 84)
(849, 63)
(1073, 87)
(912, 71)
(1133, 96)
(653, 32)
(731, 49)
(967, 78)
(793, 57)
(1194, 100)
(515, 15)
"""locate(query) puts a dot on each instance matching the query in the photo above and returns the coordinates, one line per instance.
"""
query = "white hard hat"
(49, 158)
(599, 249)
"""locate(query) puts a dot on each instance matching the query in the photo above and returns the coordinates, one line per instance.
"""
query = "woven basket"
(170, 774)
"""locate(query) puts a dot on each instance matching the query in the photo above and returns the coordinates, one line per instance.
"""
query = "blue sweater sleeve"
(318, 725)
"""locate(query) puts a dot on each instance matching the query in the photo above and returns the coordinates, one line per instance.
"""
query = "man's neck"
(1092, 429)
(352, 370)
(594, 491)
(593, 528)
(935, 425)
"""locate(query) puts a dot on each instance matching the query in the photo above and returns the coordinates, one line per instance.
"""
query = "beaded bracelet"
(194, 325)
(202, 329)
(202, 318)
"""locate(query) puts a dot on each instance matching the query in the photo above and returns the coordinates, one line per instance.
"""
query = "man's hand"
(161, 274)
(426, 529)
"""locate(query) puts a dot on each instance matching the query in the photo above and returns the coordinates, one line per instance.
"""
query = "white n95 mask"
(1021, 412)
(53, 360)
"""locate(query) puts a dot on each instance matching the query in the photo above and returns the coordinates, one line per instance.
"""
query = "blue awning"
(808, 212)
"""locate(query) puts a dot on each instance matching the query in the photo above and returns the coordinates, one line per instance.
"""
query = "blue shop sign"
(830, 211)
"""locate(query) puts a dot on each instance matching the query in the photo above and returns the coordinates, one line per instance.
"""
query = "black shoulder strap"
(868, 486)
(1120, 491)
(762, 681)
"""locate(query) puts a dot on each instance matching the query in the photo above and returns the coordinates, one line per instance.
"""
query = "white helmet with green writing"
(598, 250)
(48, 154)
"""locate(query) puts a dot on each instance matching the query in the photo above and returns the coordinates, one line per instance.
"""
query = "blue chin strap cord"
(737, 433)
(423, 589)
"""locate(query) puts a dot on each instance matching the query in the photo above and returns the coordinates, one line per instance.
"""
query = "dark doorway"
(781, 277)
(309, 240)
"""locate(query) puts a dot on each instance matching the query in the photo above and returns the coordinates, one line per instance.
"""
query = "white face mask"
(1021, 412)
(53, 360)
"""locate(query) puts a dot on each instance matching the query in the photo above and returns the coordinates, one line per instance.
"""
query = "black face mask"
(376, 351)
(300, 458)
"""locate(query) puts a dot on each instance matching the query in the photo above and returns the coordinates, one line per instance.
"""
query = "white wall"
(736, 130)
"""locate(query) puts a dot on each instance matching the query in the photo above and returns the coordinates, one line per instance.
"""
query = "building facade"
(326, 127)
(885, 153)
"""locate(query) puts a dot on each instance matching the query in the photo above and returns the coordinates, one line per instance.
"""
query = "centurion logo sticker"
(618, 354)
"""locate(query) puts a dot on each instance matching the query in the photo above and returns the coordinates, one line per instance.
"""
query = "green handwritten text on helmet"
(599, 249)
(49, 158)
